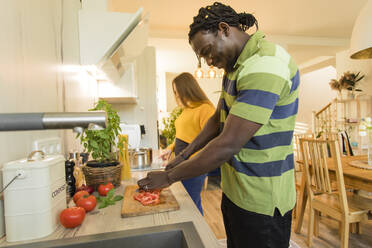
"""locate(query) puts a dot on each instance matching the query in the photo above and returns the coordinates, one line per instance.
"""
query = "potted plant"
(101, 143)
(102, 147)
(169, 131)
(348, 81)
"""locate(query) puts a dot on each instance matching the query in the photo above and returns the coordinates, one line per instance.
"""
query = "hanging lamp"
(361, 37)
(199, 73)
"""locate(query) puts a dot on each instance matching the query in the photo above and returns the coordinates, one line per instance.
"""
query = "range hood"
(110, 40)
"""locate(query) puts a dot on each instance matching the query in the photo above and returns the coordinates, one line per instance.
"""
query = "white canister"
(33, 201)
(2, 221)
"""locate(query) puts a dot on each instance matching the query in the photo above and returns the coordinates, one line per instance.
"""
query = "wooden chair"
(322, 198)
(298, 167)
(335, 136)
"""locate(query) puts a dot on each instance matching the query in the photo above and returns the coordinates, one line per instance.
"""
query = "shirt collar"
(250, 48)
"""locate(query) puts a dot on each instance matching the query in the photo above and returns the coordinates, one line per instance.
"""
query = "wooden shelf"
(120, 100)
(357, 98)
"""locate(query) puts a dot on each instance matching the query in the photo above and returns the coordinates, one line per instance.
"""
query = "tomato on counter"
(72, 217)
(80, 194)
(87, 202)
(103, 189)
(84, 187)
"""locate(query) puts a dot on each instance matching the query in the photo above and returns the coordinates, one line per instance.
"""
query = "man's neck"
(241, 39)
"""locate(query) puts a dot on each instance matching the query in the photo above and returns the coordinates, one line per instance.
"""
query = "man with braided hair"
(250, 135)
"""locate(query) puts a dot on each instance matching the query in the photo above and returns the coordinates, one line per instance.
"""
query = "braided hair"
(209, 17)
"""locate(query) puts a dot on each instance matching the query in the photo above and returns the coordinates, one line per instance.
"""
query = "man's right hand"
(174, 162)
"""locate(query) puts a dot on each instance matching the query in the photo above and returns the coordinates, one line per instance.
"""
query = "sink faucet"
(77, 121)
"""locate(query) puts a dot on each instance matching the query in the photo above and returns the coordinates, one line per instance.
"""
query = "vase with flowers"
(365, 129)
(348, 81)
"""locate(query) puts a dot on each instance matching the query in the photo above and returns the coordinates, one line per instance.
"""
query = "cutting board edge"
(132, 188)
(125, 215)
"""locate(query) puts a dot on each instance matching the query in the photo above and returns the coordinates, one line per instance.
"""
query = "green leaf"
(118, 198)
(94, 144)
(110, 194)
(99, 143)
(102, 205)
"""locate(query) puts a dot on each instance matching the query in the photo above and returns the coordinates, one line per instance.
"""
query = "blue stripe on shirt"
(285, 111)
(224, 106)
(270, 140)
(268, 169)
(259, 98)
(230, 86)
(295, 81)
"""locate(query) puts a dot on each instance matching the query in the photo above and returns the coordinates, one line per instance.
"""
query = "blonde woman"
(197, 109)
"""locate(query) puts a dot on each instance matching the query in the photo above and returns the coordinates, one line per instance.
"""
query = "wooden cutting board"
(132, 207)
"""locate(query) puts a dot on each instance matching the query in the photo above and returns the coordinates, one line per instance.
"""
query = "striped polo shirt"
(263, 88)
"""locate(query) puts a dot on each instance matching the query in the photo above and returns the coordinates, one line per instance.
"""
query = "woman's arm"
(209, 132)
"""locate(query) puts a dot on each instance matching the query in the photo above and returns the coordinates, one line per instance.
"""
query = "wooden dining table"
(354, 178)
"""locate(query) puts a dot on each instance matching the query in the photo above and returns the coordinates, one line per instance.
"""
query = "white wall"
(40, 69)
(174, 56)
(344, 63)
(145, 111)
(315, 93)
(80, 89)
(30, 51)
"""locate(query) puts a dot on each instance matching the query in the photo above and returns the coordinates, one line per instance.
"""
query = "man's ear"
(224, 28)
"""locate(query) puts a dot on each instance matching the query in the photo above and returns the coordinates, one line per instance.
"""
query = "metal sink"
(180, 235)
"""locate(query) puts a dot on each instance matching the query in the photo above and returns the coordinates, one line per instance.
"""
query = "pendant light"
(199, 73)
(361, 37)
(212, 73)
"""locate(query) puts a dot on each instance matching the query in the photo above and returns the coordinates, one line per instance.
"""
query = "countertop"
(109, 219)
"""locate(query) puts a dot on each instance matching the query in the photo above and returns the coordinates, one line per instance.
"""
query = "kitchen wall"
(145, 111)
(40, 69)
(30, 48)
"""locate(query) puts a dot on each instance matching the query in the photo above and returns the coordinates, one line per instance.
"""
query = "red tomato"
(138, 197)
(87, 202)
(90, 189)
(103, 189)
(72, 217)
(148, 197)
(79, 194)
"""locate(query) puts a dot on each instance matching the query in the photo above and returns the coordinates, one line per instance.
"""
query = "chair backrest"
(336, 136)
(316, 164)
(296, 145)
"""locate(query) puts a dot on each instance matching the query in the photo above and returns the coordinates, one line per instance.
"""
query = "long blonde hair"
(189, 90)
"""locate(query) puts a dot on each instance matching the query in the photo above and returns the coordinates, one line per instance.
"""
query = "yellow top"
(191, 122)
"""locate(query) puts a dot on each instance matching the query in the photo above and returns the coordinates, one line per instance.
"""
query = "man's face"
(214, 48)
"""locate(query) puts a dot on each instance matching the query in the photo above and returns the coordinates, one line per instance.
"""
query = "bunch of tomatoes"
(85, 202)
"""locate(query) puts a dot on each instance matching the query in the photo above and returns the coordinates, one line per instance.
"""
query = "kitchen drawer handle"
(30, 157)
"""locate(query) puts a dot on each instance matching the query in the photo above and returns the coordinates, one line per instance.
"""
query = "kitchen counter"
(109, 219)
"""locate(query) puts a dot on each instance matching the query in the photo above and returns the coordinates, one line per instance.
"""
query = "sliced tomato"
(151, 197)
(138, 197)
(150, 201)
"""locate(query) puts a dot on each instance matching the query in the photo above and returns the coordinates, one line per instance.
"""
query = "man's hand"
(174, 162)
(155, 180)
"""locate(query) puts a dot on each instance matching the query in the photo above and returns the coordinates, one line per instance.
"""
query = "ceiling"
(307, 28)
